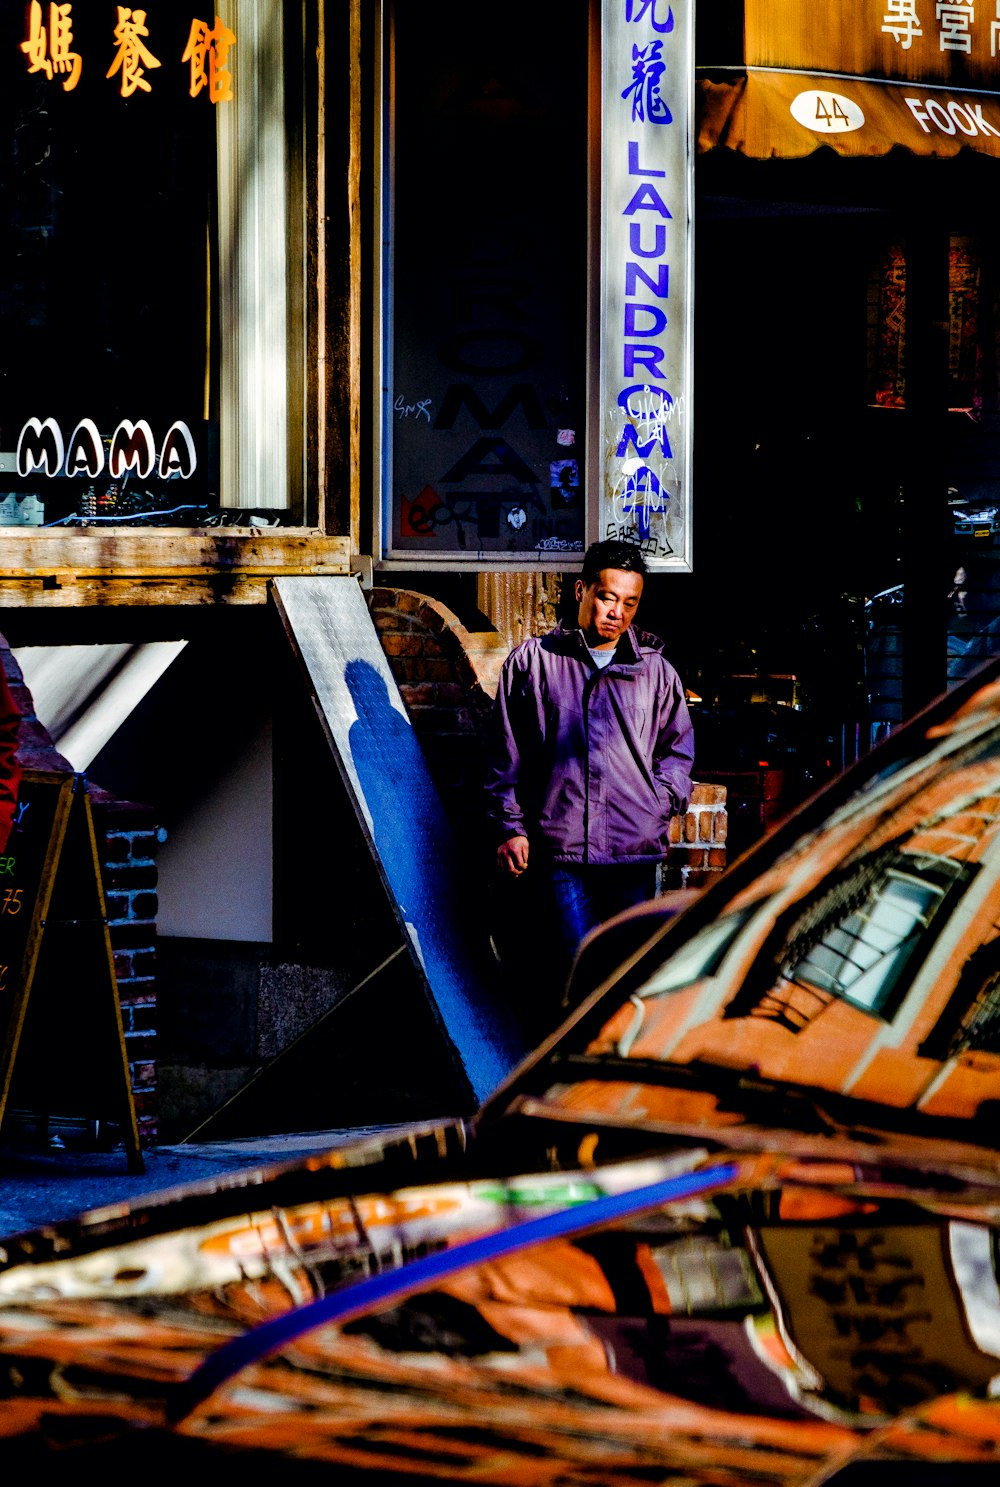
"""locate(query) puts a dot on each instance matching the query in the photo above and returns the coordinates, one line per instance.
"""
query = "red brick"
(435, 615)
(397, 624)
(401, 645)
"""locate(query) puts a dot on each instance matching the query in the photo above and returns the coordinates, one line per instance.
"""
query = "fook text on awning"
(951, 117)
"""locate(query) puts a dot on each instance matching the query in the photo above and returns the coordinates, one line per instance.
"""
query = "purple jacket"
(590, 763)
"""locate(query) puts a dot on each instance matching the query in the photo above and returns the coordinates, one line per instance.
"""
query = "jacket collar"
(573, 641)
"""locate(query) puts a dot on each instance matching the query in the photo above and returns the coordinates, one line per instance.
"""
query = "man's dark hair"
(611, 553)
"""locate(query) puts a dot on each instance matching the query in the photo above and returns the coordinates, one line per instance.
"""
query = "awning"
(772, 113)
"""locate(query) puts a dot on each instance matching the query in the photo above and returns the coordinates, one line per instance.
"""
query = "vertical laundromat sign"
(641, 446)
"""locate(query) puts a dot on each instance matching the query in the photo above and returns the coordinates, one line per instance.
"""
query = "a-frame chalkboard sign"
(63, 1055)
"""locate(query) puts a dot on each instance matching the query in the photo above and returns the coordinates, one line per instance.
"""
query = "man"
(590, 752)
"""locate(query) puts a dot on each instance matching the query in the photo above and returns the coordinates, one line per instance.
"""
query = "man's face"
(608, 607)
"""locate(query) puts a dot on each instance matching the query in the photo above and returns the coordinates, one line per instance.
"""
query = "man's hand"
(512, 855)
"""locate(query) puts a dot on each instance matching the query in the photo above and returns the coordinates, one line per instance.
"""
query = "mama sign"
(131, 448)
(643, 441)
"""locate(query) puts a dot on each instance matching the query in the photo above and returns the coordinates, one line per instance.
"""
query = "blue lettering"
(646, 199)
(659, 241)
(659, 320)
(643, 494)
(636, 9)
(648, 356)
(634, 168)
(635, 271)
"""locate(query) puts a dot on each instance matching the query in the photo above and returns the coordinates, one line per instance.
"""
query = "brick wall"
(447, 677)
(127, 836)
(698, 839)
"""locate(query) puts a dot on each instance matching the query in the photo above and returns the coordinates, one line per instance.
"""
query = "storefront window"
(144, 230)
(887, 339)
(485, 179)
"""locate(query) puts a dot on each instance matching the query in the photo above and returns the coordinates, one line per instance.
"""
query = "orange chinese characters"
(209, 45)
(133, 56)
(48, 51)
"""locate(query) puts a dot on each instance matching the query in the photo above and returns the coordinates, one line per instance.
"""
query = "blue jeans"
(587, 896)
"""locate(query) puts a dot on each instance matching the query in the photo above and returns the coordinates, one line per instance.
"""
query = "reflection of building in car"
(737, 1220)
(876, 1314)
(863, 959)
(795, 1316)
(832, 1319)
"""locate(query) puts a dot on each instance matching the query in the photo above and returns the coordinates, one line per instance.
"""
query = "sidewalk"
(39, 1187)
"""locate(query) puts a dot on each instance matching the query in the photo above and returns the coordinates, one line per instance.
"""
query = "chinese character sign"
(207, 51)
(644, 430)
(133, 57)
(49, 49)
(923, 40)
(48, 46)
